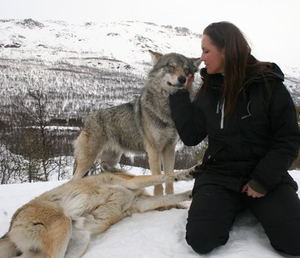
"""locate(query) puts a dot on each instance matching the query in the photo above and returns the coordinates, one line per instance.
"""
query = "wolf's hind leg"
(86, 152)
(83, 165)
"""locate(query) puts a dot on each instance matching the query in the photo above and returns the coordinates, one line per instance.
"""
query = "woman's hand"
(250, 192)
(190, 80)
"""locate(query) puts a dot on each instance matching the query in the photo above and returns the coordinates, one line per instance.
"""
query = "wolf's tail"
(7, 248)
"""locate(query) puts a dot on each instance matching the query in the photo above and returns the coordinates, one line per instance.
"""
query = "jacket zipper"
(221, 107)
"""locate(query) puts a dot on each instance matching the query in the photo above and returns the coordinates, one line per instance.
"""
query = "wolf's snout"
(182, 79)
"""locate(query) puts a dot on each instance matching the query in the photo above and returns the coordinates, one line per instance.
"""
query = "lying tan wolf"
(60, 222)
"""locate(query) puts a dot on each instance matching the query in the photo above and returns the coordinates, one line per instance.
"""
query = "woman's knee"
(291, 247)
(203, 239)
(285, 237)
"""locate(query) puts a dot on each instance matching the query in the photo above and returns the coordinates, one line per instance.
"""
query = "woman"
(253, 137)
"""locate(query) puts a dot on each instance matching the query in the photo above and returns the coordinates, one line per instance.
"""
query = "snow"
(159, 234)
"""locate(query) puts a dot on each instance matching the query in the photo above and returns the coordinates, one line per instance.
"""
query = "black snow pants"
(214, 208)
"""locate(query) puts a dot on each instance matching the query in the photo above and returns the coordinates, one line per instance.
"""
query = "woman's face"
(212, 57)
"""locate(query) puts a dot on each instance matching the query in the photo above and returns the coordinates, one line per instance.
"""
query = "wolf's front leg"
(186, 174)
(168, 165)
(154, 159)
(78, 243)
(138, 182)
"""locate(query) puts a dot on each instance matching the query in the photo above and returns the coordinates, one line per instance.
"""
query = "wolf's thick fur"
(60, 222)
(142, 125)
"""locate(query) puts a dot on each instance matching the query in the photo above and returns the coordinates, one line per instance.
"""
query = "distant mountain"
(126, 41)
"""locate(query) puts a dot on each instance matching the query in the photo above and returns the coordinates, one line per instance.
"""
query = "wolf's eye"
(187, 71)
(171, 67)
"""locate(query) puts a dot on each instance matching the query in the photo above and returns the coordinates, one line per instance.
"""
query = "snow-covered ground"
(159, 234)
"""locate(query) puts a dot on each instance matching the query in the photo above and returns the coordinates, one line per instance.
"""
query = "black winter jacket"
(258, 142)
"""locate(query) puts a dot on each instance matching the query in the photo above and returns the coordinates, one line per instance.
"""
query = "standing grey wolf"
(142, 125)
(60, 222)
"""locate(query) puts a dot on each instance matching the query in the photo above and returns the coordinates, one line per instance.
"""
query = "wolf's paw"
(188, 194)
(180, 206)
(195, 170)
(173, 206)
(185, 175)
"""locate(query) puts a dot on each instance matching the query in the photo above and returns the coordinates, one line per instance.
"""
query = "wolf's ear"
(155, 57)
(196, 61)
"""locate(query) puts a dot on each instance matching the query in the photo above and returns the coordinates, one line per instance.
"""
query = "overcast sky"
(272, 26)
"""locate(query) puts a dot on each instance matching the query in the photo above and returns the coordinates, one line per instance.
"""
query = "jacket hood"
(273, 72)
(276, 71)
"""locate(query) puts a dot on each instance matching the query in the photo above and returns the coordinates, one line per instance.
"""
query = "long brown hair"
(229, 38)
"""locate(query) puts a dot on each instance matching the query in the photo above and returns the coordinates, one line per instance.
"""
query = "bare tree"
(28, 139)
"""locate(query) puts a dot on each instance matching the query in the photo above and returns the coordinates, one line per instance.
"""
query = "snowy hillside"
(85, 67)
(117, 50)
